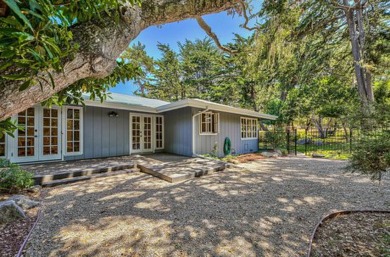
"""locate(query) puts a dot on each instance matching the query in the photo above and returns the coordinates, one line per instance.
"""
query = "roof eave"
(213, 106)
(120, 106)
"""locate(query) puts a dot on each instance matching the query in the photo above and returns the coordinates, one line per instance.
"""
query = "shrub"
(13, 178)
(371, 155)
(4, 163)
(277, 138)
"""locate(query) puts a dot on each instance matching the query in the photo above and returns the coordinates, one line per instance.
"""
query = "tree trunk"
(354, 18)
(101, 42)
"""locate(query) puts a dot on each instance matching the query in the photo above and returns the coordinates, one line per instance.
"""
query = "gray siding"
(104, 136)
(229, 126)
(178, 131)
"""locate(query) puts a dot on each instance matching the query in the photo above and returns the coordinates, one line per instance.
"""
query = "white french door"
(38, 136)
(141, 133)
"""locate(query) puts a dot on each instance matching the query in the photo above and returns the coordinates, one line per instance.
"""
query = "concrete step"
(173, 174)
(42, 179)
(64, 181)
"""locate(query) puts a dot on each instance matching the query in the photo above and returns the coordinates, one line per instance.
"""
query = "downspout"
(193, 130)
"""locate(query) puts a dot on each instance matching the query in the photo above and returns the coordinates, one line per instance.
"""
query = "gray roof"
(131, 100)
(137, 103)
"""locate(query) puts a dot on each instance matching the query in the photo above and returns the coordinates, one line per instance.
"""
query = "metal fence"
(338, 140)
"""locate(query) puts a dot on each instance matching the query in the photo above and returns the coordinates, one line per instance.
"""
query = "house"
(126, 125)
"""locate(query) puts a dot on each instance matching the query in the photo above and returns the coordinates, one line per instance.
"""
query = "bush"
(13, 178)
(371, 155)
(4, 163)
(277, 138)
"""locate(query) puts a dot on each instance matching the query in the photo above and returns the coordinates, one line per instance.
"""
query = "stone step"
(58, 182)
(42, 179)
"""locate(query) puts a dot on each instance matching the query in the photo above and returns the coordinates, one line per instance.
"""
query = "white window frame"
(162, 131)
(253, 133)
(217, 125)
(65, 131)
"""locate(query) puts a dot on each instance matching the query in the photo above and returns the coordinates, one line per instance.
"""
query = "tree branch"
(244, 10)
(101, 42)
(211, 34)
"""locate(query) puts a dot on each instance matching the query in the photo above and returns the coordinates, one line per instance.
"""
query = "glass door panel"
(50, 134)
(26, 142)
(147, 136)
(136, 133)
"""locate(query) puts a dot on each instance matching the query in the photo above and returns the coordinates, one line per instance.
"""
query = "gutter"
(193, 130)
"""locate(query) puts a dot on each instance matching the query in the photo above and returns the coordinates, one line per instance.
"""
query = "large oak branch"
(101, 42)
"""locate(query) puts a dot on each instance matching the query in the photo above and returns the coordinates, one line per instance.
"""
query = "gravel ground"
(262, 208)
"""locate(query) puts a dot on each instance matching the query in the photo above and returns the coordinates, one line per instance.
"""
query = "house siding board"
(104, 136)
(178, 131)
(230, 126)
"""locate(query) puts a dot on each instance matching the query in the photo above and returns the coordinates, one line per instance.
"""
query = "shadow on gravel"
(264, 208)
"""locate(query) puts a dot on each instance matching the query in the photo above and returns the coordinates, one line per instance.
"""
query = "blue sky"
(224, 25)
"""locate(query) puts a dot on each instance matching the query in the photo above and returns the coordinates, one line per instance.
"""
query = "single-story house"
(125, 125)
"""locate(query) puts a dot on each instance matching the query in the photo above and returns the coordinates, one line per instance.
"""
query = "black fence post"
(295, 141)
(288, 140)
(350, 140)
(305, 141)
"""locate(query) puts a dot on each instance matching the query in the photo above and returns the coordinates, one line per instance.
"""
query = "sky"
(222, 24)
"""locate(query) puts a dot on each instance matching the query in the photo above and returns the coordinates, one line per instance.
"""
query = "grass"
(331, 151)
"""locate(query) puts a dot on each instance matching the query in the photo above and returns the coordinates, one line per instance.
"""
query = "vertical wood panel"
(97, 133)
(88, 132)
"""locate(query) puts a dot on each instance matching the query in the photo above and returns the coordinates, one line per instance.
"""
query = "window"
(248, 128)
(2, 146)
(74, 133)
(209, 123)
(159, 132)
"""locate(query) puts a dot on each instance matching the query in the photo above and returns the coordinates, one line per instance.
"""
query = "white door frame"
(142, 141)
(12, 143)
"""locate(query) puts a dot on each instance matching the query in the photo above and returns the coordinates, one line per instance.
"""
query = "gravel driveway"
(264, 208)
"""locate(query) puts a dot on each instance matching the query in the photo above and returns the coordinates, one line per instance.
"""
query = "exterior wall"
(178, 131)
(104, 136)
(229, 126)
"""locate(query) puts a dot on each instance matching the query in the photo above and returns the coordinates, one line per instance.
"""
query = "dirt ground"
(266, 207)
(355, 234)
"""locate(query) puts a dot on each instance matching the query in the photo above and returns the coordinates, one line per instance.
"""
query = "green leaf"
(25, 85)
(51, 80)
(15, 8)
(16, 76)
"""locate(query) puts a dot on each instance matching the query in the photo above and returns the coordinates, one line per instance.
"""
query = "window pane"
(69, 125)
(46, 112)
(77, 114)
(76, 124)
(21, 120)
(2, 149)
(30, 111)
(69, 114)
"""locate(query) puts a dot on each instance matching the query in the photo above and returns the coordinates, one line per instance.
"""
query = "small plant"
(284, 152)
(371, 155)
(229, 158)
(13, 178)
(214, 152)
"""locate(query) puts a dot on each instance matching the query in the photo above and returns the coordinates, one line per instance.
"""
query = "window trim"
(65, 130)
(246, 132)
(209, 133)
(162, 131)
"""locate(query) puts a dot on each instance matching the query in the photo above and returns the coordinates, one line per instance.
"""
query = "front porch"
(172, 168)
